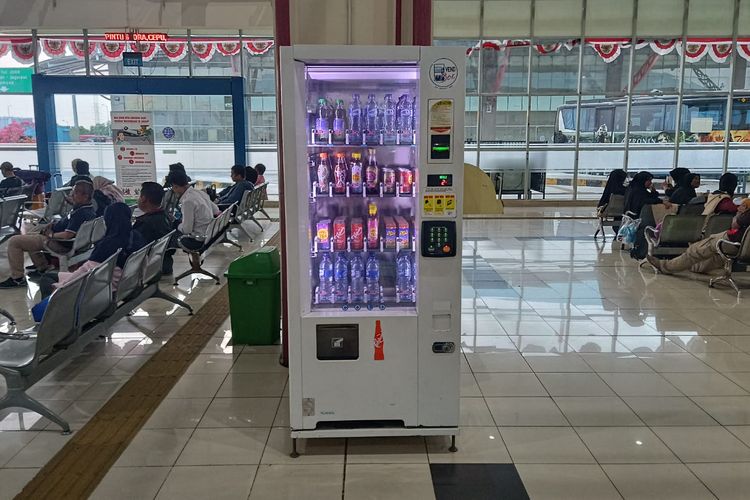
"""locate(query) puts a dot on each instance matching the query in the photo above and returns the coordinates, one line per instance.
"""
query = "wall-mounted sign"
(15, 80)
(133, 141)
(135, 37)
(132, 59)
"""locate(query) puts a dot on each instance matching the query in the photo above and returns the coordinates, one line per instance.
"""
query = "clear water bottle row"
(357, 281)
(388, 122)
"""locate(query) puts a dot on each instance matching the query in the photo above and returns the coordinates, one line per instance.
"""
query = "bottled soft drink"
(389, 120)
(371, 121)
(403, 277)
(339, 174)
(355, 121)
(325, 277)
(356, 171)
(371, 173)
(310, 110)
(372, 272)
(322, 122)
(339, 123)
(373, 225)
(403, 120)
(341, 279)
(357, 273)
(324, 173)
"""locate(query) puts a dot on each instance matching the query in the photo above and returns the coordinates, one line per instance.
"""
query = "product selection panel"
(439, 238)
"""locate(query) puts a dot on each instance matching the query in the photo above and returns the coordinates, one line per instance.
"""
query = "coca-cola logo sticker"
(443, 73)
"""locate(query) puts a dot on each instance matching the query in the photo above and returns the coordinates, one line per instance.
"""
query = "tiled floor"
(594, 378)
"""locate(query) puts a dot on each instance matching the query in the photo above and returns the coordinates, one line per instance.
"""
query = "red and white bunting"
(4, 48)
(694, 52)
(203, 50)
(23, 52)
(148, 50)
(663, 47)
(53, 47)
(607, 51)
(77, 47)
(228, 48)
(258, 47)
(175, 51)
(112, 51)
(720, 52)
(547, 48)
(743, 49)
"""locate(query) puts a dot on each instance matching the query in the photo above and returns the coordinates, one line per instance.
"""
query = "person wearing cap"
(702, 256)
(10, 180)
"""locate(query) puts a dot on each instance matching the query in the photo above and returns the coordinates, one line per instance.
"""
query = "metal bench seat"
(732, 253)
(57, 206)
(611, 216)
(215, 234)
(87, 236)
(10, 216)
(677, 232)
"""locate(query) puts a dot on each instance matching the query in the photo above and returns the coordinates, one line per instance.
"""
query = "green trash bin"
(255, 297)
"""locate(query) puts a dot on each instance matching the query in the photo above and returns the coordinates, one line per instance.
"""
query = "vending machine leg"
(453, 448)
(294, 453)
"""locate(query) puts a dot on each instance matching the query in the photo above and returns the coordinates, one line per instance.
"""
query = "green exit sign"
(15, 80)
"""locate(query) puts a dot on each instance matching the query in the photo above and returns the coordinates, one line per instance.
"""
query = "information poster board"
(133, 139)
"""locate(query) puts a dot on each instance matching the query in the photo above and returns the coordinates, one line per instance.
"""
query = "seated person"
(81, 171)
(252, 175)
(233, 193)
(260, 169)
(55, 235)
(105, 194)
(153, 223)
(702, 256)
(10, 180)
(175, 167)
(673, 180)
(720, 201)
(640, 193)
(197, 213)
(685, 191)
(119, 236)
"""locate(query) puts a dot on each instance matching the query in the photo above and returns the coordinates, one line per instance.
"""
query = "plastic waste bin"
(255, 297)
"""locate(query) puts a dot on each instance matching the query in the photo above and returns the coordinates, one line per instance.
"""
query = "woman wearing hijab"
(119, 236)
(105, 194)
(640, 193)
(686, 189)
(175, 167)
(615, 185)
(720, 201)
(676, 176)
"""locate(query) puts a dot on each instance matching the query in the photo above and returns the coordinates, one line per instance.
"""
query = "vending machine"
(373, 182)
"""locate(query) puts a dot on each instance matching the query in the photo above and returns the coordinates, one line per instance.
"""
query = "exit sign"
(132, 59)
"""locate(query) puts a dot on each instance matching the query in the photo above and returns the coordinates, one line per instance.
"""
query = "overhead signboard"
(126, 36)
(15, 80)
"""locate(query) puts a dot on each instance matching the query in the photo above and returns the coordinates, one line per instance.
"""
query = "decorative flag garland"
(203, 50)
(175, 51)
(53, 47)
(111, 51)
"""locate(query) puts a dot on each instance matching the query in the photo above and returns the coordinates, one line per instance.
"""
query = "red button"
(446, 249)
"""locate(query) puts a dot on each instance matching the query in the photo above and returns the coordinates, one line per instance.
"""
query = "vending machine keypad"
(438, 238)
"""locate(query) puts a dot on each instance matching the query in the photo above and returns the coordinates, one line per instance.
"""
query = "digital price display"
(439, 180)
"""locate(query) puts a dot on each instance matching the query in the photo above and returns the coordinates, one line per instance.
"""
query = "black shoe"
(32, 267)
(34, 275)
(13, 283)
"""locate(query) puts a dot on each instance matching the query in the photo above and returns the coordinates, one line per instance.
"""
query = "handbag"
(628, 229)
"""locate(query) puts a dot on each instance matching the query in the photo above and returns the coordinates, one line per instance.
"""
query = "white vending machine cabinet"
(373, 184)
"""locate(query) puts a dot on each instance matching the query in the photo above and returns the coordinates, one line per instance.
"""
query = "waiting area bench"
(11, 209)
(679, 231)
(78, 313)
(512, 181)
(611, 216)
(250, 205)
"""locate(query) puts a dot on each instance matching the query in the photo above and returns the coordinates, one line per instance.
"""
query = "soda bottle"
(371, 173)
(372, 227)
(404, 124)
(322, 122)
(339, 174)
(389, 120)
(371, 121)
(378, 344)
(325, 277)
(357, 273)
(324, 173)
(341, 279)
(339, 123)
(311, 116)
(372, 272)
(355, 121)
(403, 277)
(356, 168)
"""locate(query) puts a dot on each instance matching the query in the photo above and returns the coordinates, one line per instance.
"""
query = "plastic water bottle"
(371, 121)
(325, 275)
(322, 122)
(403, 120)
(339, 123)
(403, 277)
(341, 278)
(373, 279)
(357, 273)
(355, 121)
(389, 120)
